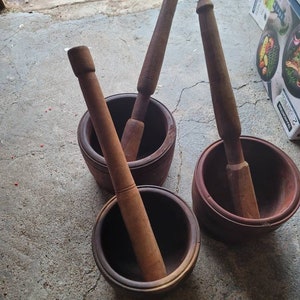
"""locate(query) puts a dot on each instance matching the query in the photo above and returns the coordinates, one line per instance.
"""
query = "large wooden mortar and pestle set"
(227, 202)
(146, 239)
(146, 127)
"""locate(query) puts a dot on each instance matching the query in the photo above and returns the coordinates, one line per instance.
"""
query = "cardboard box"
(278, 62)
(259, 12)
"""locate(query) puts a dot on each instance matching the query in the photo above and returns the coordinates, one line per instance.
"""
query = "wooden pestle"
(128, 197)
(227, 119)
(134, 128)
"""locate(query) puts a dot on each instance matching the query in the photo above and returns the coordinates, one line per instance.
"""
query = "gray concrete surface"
(79, 8)
(49, 200)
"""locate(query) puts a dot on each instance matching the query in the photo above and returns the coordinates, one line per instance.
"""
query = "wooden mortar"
(156, 149)
(277, 182)
(176, 230)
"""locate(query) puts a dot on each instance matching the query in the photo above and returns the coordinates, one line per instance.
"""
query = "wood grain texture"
(227, 119)
(148, 79)
(129, 200)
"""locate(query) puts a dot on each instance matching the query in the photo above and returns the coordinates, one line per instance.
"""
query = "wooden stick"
(226, 114)
(129, 200)
(148, 79)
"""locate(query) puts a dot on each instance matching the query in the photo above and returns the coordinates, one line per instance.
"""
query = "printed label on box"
(259, 12)
(288, 114)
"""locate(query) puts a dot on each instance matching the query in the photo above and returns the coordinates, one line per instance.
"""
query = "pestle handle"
(148, 79)
(225, 110)
(226, 114)
(128, 197)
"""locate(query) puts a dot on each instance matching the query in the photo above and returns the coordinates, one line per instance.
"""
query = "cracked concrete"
(49, 200)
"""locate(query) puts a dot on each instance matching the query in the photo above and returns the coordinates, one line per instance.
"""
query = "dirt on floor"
(66, 9)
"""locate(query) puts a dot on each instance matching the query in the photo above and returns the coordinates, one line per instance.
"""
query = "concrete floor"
(49, 200)
(72, 9)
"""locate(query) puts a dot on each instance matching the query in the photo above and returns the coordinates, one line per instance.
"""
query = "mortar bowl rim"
(99, 160)
(172, 279)
(273, 220)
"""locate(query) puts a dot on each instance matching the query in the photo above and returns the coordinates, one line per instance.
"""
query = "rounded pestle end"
(202, 4)
(81, 60)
